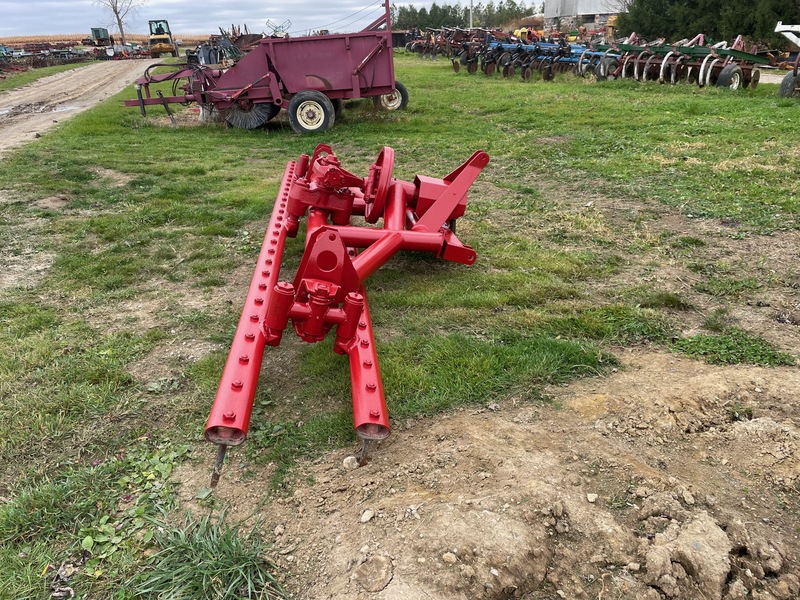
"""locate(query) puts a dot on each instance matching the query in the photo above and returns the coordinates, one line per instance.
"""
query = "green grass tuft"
(207, 558)
(732, 346)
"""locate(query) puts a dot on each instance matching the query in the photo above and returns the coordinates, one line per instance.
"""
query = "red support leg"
(370, 417)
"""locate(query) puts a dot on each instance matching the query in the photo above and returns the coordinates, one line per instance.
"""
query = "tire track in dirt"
(37, 107)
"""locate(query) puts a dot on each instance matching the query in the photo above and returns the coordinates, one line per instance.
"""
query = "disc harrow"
(696, 61)
(691, 61)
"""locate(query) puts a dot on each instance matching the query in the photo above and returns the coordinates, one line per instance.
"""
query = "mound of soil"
(652, 483)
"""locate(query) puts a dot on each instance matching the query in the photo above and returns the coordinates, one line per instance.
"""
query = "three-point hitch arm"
(328, 290)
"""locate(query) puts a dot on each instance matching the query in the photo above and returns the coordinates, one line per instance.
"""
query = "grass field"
(127, 247)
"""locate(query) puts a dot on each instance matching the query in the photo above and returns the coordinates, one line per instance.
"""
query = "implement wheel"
(606, 69)
(309, 111)
(790, 86)
(396, 100)
(731, 77)
(338, 107)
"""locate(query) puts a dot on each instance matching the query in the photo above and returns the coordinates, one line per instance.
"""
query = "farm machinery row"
(695, 61)
(308, 76)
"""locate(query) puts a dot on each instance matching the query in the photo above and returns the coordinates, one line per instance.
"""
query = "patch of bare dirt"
(22, 262)
(646, 484)
(116, 178)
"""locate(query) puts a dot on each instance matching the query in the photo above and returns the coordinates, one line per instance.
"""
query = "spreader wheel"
(395, 100)
(376, 185)
(456, 66)
(309, 111)
(338, 107)
(472, 67)
(790, 85)
(250, 116)
(526, 73)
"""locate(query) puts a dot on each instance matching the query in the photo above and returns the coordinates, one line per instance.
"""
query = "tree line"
(717, 19)
(669, 19)
(488, 15)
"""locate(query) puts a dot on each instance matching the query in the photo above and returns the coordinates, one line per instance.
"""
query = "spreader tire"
(395, 100)
(338, 107)
(310, 111)
(790, 86)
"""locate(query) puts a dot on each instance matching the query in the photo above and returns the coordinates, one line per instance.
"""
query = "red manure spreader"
(308, 76)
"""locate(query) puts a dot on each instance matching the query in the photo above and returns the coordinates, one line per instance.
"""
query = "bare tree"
(121, 9)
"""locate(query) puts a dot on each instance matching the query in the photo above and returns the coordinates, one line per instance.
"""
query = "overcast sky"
(32, 17)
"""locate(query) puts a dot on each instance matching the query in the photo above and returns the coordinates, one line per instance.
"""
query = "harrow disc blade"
(755, 77)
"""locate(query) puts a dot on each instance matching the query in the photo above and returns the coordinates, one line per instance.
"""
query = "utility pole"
(470, 14)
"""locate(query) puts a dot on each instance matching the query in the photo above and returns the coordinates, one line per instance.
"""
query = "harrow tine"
(166, 107)
(362, 458)
(222, 449)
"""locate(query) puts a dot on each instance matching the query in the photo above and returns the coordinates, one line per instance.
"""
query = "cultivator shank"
(328, 291)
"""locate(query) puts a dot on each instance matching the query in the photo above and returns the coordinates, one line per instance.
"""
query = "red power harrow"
(328, 289)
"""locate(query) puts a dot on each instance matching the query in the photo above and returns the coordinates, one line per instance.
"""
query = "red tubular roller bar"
(328, 289)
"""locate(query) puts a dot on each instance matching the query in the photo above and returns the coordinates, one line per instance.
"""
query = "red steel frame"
(328, 289)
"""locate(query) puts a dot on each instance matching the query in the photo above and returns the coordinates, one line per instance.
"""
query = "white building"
(581, 11)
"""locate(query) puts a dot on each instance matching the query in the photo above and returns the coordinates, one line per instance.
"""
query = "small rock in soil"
(374, 574)
(367, 515)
